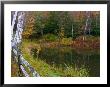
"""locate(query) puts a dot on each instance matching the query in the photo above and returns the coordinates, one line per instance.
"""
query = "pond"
(64, 57)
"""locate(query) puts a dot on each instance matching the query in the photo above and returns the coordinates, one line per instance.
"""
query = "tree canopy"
(69, 23)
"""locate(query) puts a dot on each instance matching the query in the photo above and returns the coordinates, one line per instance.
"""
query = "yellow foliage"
(66, 41)
(29, 24)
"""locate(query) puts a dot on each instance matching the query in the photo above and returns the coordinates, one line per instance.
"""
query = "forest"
(61, 43)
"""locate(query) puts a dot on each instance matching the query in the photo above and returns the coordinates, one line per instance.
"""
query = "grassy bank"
(45, 69)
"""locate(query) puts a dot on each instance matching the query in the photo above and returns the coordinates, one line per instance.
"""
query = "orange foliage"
(29, 24)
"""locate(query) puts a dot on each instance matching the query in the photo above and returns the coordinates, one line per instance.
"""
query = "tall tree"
(95, 24)
(52, 23)
(40, 22)
(29, 24)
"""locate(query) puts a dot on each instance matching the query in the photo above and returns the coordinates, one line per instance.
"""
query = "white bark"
(13, 22)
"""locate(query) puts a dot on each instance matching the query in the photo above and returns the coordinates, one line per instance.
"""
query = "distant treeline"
(61, 23)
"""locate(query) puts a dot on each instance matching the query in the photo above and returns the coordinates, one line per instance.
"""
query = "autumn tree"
(69, 23)
(29, 24)
(40, 23)
(95, 24)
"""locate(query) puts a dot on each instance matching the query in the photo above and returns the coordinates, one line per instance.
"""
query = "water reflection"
(67, 56)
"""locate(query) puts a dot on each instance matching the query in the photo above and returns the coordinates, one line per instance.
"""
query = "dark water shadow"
(67, 56)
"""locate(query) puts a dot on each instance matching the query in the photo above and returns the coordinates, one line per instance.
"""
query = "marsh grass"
(46, 70)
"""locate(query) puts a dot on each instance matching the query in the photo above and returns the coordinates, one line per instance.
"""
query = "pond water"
(67, 56)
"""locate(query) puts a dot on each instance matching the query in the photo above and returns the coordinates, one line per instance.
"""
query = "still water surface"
(67, 56)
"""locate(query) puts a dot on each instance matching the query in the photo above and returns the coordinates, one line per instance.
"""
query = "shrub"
(66, 41)
(83, 72)
(50, 37)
